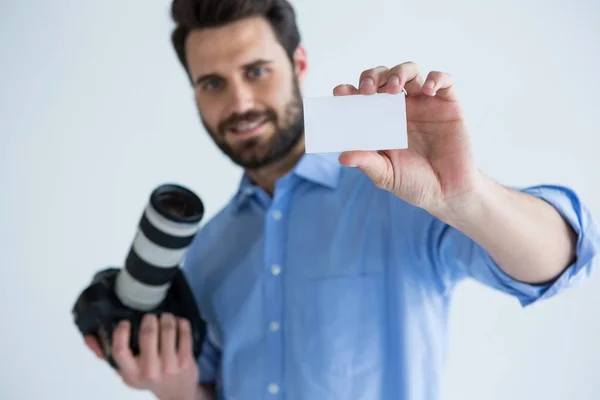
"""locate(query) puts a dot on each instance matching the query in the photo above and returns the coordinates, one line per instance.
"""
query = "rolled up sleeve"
(468, 259)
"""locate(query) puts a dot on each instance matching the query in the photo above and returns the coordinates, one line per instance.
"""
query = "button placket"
(274, 299)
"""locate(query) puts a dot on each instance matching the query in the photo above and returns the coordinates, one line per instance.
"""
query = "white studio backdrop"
(95, 112)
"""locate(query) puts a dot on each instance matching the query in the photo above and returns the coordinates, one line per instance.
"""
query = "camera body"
(98, 310)
(151, 280)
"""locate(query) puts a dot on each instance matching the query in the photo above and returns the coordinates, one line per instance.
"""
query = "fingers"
(149, 339)
(92, 343)
(440, 84)
(345, 90)
(373, 80)
(168, 339)
(159, 355)
(185, 351)
(121, 352)
(405, 76)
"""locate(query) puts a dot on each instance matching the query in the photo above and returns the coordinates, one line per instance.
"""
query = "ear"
(300, 63)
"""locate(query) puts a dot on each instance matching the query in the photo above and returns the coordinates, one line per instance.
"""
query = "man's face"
(247, 91)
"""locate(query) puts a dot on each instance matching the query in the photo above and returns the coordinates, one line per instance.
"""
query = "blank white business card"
(355, 122)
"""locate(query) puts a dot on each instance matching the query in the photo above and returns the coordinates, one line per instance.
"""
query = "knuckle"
(405, 70)
(171, 370)
(187, 363)
(120, 333)
(366, 74)
(118, 352)
(412, 65)
(147, 334)
(148, 329)
(373, 72)
(167, 322)
(184, 324)
(151, 376)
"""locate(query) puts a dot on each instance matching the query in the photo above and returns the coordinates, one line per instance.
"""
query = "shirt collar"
(321, 169)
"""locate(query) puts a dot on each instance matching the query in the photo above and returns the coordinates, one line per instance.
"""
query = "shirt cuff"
(568, 204)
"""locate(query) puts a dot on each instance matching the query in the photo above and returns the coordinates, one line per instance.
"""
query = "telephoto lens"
(151, 280)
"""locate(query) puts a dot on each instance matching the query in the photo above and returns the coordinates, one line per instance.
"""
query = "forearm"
(524, 235)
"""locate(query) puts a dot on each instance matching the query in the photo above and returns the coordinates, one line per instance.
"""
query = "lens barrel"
(167, 227)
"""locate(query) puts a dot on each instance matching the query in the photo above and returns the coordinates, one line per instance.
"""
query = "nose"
(241, 98)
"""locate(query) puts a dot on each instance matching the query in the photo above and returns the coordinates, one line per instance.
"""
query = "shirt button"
(275, 269)
(273, 388)
(274, 326)
(277, 215)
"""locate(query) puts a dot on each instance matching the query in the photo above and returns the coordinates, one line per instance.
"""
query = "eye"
(257, 72)
(212, 84)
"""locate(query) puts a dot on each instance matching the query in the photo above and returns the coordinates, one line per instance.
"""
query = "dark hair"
(197, 14)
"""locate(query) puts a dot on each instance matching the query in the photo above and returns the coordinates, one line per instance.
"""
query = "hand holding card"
(406, 133)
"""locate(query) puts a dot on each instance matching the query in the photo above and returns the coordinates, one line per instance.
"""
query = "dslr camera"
(151, 280)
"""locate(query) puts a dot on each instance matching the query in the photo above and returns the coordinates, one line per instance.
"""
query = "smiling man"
(247, 94)
(323, 281)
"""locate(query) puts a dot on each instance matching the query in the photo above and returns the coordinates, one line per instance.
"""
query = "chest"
(318, 289)
(321, 260)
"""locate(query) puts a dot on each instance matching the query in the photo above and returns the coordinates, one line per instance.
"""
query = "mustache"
(249, 116)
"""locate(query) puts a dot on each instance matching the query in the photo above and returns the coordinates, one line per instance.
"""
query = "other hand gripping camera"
(151, 280)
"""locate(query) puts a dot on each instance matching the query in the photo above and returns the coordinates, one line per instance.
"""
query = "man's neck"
(266, 177)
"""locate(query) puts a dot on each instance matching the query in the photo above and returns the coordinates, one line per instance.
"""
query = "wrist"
(475, 207)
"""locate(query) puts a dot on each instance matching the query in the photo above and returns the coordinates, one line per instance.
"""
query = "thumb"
(376, 166)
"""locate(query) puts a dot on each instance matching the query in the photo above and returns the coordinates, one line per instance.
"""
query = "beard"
(256, 152)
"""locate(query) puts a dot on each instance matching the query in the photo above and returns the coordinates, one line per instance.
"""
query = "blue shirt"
(335, 289)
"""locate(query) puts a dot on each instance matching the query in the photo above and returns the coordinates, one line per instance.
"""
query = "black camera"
(151, 280)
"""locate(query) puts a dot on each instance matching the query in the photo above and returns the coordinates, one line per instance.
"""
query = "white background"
(95, 111)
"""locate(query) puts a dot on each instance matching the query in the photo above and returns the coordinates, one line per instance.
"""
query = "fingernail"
(167, 319)
(147, 320)
(366, 82)
(393, 80)
(430, 84)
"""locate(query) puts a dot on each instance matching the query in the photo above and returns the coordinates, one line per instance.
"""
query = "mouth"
(247, 129)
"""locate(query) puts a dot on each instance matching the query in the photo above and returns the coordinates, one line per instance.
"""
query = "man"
(331, 279)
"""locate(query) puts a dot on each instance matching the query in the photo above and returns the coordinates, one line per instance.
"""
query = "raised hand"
(438, 166)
